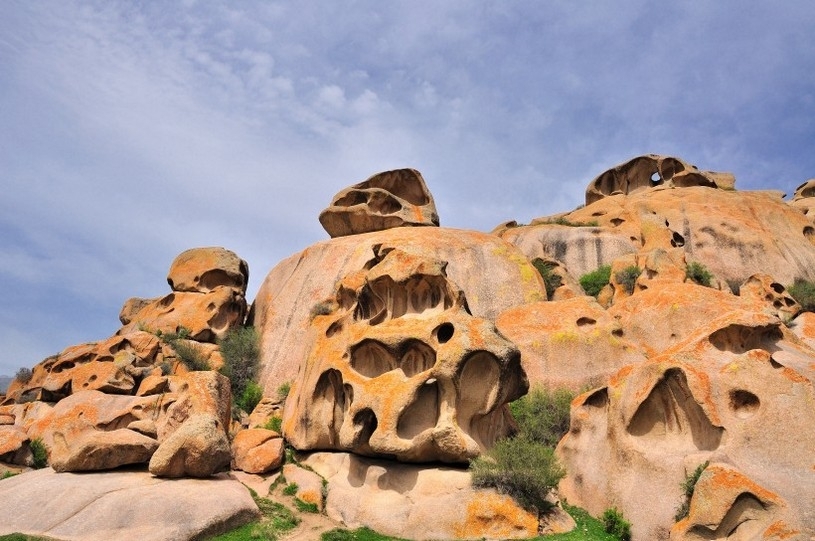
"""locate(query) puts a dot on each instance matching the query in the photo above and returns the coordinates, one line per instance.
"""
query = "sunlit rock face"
(650, 171)
(389, 199)
(399, 368)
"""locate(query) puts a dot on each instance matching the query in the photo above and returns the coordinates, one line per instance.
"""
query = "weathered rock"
(716, 396)
(763, 289)
(121, 505)
(133, 306)
(651, 171)
(571, 344)
(390, 199)
(103, 450)
(309, 484)
(295, 291)
(416, 502)
(202, 270)
(12, 445)
(198, 448)
(804, 200)
(257, 450)
(399, 368)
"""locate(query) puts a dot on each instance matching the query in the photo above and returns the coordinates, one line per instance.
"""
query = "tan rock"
(570, 344)
(297, 289)
(198, 448)
(122, 505)
(418, 502)
(763, 289)
(202, 270)
(804, 200)
(309, 485)
(12, 445)
(102, 450)
(257, 450)
(653, 171)
(399, 368)
(133, 306)
(390, 199)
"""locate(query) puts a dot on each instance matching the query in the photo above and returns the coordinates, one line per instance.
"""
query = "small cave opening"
(743, 403)
(444, 332)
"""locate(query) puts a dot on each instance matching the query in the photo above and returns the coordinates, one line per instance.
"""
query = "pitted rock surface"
(390, 199)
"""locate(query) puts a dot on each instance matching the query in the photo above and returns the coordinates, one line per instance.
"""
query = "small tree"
(594, 282)
(24, 375)
(241, 354)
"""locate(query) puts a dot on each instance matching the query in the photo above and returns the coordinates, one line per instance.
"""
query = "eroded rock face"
(651, 171)
(718, 396)
(399, 368)
(804, 199)
(202, 270)
(390, 199)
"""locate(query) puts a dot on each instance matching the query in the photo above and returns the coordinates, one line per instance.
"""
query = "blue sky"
(135, 130)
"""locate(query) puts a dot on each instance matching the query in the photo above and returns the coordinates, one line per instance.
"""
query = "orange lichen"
(779, 530)
(495, 516)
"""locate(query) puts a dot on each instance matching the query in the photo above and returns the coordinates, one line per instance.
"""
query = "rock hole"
(422, 414)
(333, 329)
(741, 338)
(328, 408)
(444, 332)
(655, 179)
(417, 358)
(809, 233)
(598, 214)
(365, 424)
(478, 387)
(583, 321)
(618, 333)
(677, 240)
(597, 399)
(618, 221)
(743, 403)
(778, 288)
(778, 304)
(371, 359)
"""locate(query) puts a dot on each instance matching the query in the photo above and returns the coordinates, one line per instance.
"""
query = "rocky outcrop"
(653, 171)
(257, 450)
(415, 502)
(390, 199)
(804, 200)
(198, 448)
(399, 368)
(122, 505)
(303, 286)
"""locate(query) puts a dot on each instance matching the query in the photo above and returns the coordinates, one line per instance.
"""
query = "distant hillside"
(4, 383)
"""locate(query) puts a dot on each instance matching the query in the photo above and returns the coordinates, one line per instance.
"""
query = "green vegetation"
(688, 486)
(562, 220)
(360, 534)
(803, 291)
(283, 390)
(593, 282)
(188, 353)
(588, 528)
(615, 524)
(543, 415)
(241, 354)
(276, 520)
(22, 537)
(322, 308)
(7, 474)
(551, 280)
(628, 278)
(274, 423)
(698, 273)
(306, 507)
(39, 453)
(291, 489)
(24, 375)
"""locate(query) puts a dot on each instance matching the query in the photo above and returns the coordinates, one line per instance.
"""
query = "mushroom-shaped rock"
(399, 368)
(201, 270)
(390, 199)
(650, 171)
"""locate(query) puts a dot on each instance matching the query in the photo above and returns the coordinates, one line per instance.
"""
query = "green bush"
(803, 291)
(615, 524)
(543, 415)
(39, 453)
(283, 390)
(274, 423)
(551, 280)
(628, 278)
(562, 220)
(291, 489)
(522, 468)
(688, 487)
(24, 375)
(698, 273)
(250, 397)
(241, 354)
(593, 282)
(360, 534)
(190, 354)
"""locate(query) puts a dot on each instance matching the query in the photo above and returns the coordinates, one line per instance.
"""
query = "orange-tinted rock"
(763, 289)
(804, 200)
(568, 344)
(131, 307)
(390, 199)
(399, 368)
(297, 289)
(309, 484)
(256, 450)
(102, 450)
(198, 448)
(202, 270)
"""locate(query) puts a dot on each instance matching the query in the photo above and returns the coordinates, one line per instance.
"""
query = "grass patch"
(283, 390)
(615, 524)
(803, 291)
(588, 528)
(275, 521)
(593, 282)
(251, 396)
(23, 537)
(291, 489)
(627, 278)
(551, 280)
(698, 273)
(305, 507)
(7, 474)
(360, 534)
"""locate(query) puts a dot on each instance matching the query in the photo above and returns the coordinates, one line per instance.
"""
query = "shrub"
(698, 273)
(543, 415)
(615, 524)
(274, 423)
(688, 487)
(803, 291)
(39, 453)
(189, 354)
(593, 282)
(250, 397)
(524, 469)
(551, 280)
(628, 278)
(241, 354)
(322, 308)
(283, 390)
(24, 375)
(562, 220)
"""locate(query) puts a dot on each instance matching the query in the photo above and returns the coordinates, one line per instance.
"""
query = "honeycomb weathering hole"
(422, 414)
(741, 338)
(371, 359)
(417, 358)
(444, 332)
(743, 403)
(583, 321)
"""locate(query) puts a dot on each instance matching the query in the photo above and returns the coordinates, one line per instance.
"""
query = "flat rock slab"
(122, 505)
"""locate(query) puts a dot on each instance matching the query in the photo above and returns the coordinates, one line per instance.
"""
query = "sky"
(134, 130)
